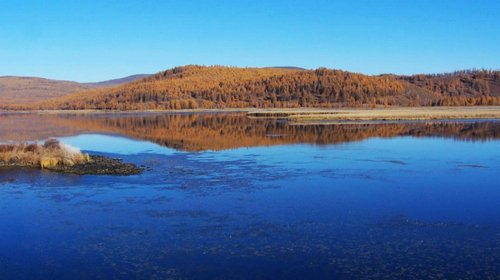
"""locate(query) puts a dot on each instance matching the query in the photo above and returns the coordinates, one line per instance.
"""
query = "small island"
(55, 156)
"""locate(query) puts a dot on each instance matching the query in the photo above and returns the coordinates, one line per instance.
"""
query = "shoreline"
(315, 114)
(72, 112)
(385, 114)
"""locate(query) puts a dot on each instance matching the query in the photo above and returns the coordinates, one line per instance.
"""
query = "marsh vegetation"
(48, 155)
(56, 156)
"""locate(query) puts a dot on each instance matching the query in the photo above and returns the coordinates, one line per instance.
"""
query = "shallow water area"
(224, 196)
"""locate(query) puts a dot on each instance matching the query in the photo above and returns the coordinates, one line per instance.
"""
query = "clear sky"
(99, 40)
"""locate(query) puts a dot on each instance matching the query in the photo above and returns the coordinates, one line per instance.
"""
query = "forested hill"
(230, 87)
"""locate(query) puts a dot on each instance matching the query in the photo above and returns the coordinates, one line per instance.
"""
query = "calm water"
(228, 197)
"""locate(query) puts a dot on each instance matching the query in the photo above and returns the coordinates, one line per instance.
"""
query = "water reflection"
(114, 144)
(200, 132)
(389, 206)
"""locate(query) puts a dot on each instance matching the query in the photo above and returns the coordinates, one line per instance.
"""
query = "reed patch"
(50, 154)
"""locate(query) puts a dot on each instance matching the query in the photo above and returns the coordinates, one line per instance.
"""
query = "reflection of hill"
(27, 127)
(197, 132)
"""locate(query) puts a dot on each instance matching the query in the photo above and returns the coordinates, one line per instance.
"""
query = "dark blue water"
(401, 207)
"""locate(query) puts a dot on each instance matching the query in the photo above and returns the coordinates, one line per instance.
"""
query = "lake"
(231, 197)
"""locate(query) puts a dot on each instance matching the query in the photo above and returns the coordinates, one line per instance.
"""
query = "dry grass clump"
(47, 155)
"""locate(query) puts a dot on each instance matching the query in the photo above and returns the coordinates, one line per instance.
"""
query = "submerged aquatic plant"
(50, 154)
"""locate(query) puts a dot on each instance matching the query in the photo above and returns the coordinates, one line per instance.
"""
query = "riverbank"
(389, 113)
(71, 112)
(313, 115)
(382, 114)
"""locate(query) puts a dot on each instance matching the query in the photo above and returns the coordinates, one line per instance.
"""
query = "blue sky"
(99, 40)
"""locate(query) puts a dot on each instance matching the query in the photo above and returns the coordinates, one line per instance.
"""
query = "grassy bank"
(385, 114)
(319, 114)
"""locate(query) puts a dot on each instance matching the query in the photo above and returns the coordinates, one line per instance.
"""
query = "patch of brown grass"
(381, 114)
(47, 155)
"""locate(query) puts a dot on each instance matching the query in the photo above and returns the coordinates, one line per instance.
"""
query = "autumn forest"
(215, 87)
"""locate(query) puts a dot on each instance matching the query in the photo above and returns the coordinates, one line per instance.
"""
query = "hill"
(31, 89)
(26, 90)
(191, 87)
(482, 86)
(119, 81)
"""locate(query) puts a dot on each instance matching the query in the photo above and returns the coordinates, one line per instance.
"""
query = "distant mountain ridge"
(118, 81)
(27, 90)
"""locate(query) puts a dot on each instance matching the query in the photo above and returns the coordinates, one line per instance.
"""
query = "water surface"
(225, 196)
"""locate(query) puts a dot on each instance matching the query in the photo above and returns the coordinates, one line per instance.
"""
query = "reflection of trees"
(197, 132)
